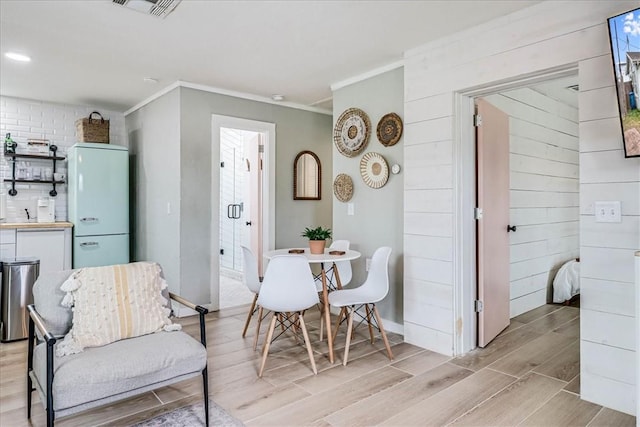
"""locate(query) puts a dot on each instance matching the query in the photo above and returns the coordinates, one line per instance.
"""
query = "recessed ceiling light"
(150, 80)
(17, 57)
(277, 97)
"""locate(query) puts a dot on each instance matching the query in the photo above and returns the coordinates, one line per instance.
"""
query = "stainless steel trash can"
(16, 293)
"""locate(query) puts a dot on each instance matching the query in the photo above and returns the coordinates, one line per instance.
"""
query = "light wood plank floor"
(528, 376)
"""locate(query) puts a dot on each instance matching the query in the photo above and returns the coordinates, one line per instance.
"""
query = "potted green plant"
(317, 238)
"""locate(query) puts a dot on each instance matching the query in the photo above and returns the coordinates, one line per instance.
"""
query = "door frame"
(268, 190)
(464, 200)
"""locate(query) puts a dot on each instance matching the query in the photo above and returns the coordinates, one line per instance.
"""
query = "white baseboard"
(389, 326)
(182, 311)
(394, 327)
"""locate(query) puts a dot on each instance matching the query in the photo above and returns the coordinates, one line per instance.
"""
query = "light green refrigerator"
(98, 184)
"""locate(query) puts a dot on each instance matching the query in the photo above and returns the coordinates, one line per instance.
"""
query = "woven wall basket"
(351, 132)
(343, 187)
(90, 129)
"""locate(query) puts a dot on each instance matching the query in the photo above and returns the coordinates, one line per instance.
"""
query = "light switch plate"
(608, 212)
(350, 209)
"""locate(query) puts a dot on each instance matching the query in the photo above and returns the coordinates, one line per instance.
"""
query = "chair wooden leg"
(340, 317)
(267, 343)
(348, 343)
(308, 344)
(294, 319)
(281, 321)
(337, 277)
(250, 315)
(384, 335)
(321, 308)
(366, 306)
(255, 339)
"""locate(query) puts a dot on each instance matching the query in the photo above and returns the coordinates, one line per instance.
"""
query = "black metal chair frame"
(356, 310)
(35, 321)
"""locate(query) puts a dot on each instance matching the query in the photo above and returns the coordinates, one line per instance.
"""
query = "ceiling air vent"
(159, 8)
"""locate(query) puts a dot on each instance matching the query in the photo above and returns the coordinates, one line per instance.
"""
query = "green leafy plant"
(318, 233)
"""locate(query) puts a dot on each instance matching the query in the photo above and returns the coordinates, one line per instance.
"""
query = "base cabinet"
(7, 244)
(51, 246)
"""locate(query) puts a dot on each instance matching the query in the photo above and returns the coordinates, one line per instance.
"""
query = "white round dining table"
(323, 259)
(316, 258)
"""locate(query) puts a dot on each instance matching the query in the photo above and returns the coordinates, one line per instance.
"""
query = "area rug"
(192, 415)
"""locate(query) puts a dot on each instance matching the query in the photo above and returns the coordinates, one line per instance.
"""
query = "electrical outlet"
(367, 264)
(608, 212)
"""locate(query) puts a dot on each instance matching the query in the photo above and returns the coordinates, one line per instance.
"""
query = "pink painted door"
(492, 139)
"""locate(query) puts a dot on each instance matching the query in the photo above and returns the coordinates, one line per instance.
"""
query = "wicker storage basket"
(90, 129)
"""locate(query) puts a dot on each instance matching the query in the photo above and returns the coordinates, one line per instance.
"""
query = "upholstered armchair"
(98, 375)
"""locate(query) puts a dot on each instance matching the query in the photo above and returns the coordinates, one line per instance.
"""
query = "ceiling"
(97, 52)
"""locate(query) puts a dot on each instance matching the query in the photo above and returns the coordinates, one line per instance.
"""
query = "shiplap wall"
(545, 37)
(608, 333)
(27, 118)
(543, 145)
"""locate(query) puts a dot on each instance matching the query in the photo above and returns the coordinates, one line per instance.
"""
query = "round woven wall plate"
(374, 170)
(389, 129)
(351, 133)
(343, 187)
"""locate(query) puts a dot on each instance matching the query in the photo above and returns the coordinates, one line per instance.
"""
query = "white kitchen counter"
(50, 242)
(19, 225)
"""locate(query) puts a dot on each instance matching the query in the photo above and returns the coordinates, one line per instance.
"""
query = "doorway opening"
(240, 209)
(244, 203)
(540, 233)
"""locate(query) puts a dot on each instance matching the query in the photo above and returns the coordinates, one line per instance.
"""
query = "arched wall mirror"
(306, 176)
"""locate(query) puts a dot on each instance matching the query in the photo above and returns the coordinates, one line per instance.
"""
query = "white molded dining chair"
(251, 279)
(287, 290)
(373, 290)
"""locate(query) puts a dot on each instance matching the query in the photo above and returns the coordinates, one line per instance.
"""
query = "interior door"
(252, 212)
(240, 196)
(231, 198)
(492, 139)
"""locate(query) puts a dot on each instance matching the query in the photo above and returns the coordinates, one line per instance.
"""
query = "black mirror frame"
(295, 176)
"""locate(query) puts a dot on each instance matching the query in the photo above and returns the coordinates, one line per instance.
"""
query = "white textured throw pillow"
(113, 303)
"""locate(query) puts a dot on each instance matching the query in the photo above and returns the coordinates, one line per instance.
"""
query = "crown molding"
(153, 97)
(367, 75)
(235, 94)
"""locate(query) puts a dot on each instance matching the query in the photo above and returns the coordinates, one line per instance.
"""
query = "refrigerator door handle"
(84, 244)
(89, 219)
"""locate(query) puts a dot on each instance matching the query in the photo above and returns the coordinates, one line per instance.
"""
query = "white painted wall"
(637, 340)
(544, 196)
(154, 141)
(546, 37)
(608, 336)
(27, 118)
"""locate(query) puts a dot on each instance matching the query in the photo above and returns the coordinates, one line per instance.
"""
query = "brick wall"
(24, 119)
